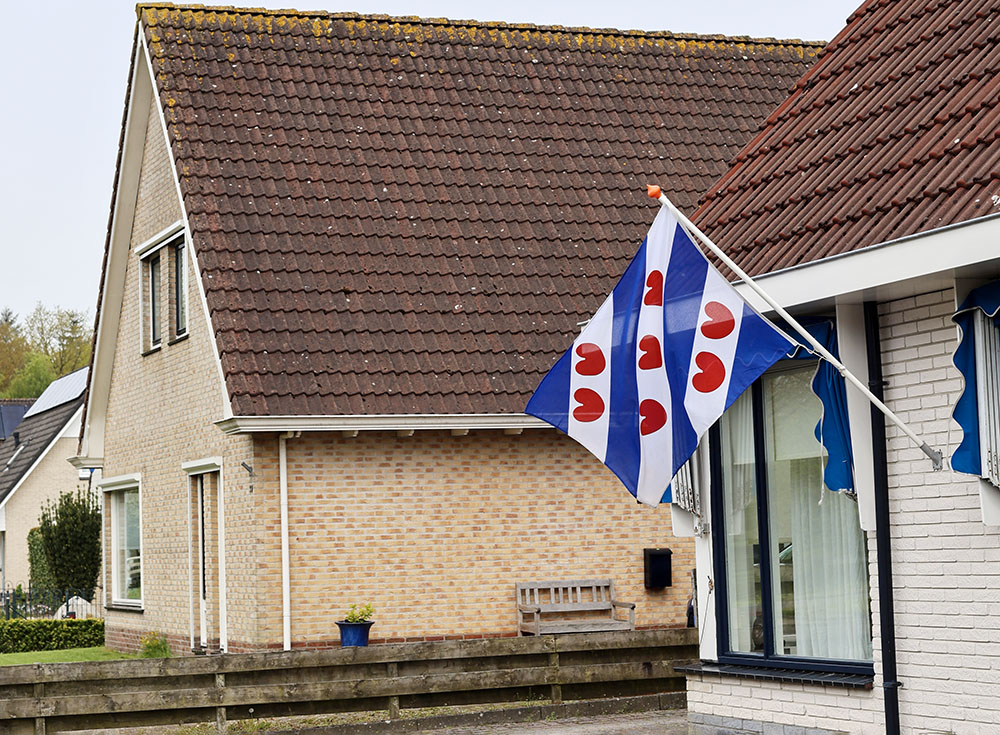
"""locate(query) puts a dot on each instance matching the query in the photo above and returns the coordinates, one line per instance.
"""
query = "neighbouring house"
(33, 469)
(12, 410)
(871, 201)
(343, 250)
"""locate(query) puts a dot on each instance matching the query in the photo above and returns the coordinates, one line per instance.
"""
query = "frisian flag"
(670, 349)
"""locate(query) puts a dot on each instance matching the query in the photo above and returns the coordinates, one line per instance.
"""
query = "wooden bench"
(562, 604)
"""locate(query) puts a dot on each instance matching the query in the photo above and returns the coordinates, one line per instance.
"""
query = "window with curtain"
(790, 553)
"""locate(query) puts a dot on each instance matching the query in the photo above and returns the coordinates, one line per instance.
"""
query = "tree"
(61, 335)
(39, 576)
(71, 536)
(14, 348)
(33, 378)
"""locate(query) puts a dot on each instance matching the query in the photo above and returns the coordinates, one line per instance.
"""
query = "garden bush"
(22, 636)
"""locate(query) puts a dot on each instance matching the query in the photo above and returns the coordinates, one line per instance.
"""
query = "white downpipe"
(221, 538)
(286, 592)
(190, 544)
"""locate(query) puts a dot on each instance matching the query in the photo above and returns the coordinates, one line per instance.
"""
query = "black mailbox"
(656, 563)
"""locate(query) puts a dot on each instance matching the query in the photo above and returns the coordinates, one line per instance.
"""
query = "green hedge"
(22, 636)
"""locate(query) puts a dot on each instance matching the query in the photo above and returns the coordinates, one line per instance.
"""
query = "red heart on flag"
(592, 360)
(654, 416)
(721, 322)
(712, 375)
(654, 282)
(652, 355)
(591, 405)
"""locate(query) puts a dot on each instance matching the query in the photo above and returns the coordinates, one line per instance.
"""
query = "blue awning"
(986, 298)
(833, 430)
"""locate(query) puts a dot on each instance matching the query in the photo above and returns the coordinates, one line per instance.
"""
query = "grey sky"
(63, 68)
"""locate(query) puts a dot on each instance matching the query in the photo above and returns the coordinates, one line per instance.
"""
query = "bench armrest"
(619, 603)
(529, 608)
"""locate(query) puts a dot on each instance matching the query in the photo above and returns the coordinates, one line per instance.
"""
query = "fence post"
(220, 712)
(556, 688)
(39, 692)
(392, 669)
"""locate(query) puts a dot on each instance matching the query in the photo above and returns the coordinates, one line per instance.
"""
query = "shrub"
(362, 614)
(22, 636)
(39, 574)
(154, 645)
(71, 536)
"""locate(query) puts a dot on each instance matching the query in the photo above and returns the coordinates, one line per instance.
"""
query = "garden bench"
(574, 606)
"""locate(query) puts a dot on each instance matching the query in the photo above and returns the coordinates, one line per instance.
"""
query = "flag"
(668, 351)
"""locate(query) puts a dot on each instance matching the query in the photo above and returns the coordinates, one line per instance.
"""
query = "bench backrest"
(567, 596)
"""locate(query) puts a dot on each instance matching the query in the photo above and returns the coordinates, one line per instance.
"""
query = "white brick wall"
(946, 566)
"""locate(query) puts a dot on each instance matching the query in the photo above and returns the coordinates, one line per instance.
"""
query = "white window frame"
(116, 486)
(168, 236)
(987, 345)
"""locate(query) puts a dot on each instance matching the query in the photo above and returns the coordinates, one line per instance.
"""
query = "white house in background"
(869, 199)
(34, 469)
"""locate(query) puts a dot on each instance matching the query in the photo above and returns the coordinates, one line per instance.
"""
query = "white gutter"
(286, 592)
(383, 422)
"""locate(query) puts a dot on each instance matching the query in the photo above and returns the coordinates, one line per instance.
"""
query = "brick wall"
(434, 530)
(945, 566)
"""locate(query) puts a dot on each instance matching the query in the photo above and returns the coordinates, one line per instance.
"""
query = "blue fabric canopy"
(833, 430)
(987, 298)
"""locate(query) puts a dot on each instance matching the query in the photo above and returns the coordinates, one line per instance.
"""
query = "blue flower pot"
(354, 634)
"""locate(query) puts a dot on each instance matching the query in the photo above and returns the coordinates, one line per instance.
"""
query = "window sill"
(798, 676)
(151, 350)
(179, 338)
(125, 607)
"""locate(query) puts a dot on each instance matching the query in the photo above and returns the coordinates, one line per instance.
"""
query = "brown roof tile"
(893, 132)
(396, 215)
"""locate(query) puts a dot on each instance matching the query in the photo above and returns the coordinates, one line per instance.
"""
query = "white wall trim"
(45, 452)
(227, 409)
(120, 482)
(384, 422)
(159, 240)
(202, 466)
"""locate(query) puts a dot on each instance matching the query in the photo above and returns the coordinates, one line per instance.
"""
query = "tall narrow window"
(126, 546)
(792, 553)
(180, 302)
(155, 301)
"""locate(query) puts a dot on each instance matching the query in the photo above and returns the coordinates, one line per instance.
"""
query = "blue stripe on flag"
(552, 403)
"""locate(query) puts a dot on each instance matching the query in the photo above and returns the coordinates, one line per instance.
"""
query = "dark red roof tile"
(395, 215)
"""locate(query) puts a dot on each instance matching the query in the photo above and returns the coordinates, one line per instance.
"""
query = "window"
(791, 561)
(164, 288)
(126, 546)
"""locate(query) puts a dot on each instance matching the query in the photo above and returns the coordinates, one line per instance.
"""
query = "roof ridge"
(638, 33)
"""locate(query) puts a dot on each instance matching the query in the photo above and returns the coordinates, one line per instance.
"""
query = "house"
(868, 200)
(12, 410)
(343, 250)
(33, 469)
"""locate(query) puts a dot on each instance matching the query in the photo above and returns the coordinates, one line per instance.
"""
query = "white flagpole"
(935, 455)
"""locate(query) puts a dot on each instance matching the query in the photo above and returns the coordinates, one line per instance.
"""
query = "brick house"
(869, 199)
(342, 251)
(33, 469)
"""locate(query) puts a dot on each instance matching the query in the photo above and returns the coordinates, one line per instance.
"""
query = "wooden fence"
(42, 698)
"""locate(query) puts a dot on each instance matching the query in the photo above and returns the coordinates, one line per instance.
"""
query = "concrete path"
(660, 722)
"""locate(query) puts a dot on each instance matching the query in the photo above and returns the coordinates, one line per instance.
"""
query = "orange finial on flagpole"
(653, 190)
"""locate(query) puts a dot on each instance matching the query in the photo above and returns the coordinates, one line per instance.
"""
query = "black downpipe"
(883, 550)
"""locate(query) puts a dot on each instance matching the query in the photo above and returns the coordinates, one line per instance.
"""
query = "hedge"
(22, 636)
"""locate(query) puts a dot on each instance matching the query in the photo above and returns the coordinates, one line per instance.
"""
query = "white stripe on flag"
(713, 352)
(655, 435)
(590, 382)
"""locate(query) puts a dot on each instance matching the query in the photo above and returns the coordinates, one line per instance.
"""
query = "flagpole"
(934, 455)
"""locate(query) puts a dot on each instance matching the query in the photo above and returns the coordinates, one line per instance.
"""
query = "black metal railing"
(46, 602)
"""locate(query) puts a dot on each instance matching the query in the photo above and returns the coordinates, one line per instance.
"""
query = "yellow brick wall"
(434, 530)
(161, 410)
(49, 479)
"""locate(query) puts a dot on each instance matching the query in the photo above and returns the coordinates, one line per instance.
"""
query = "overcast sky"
(63, 68)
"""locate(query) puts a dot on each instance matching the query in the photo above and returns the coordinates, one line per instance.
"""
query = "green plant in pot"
(356, 624)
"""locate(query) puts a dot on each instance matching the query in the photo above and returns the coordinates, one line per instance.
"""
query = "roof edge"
(383, 422)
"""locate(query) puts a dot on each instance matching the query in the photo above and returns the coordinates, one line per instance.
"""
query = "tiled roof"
(895, 131)
(406, 216)
(33, 435)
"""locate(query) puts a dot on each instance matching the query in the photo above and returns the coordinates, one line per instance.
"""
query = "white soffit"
(389, 422)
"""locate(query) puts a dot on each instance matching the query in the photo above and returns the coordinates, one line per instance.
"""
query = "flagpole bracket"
(936, 457)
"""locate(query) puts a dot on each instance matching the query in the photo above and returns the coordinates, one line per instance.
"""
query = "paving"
(660, 722)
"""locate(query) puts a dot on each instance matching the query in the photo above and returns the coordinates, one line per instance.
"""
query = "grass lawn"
(97, 653)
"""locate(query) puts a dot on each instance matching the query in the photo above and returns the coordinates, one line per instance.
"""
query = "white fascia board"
(201, 466)
(158, 240)
(119, 482)
(87, 463)
(126, 190)
(887, 271)
(45, 452)
(386, 422)
(227, 408)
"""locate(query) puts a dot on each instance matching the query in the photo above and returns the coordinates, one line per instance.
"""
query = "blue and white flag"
(669, 350)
